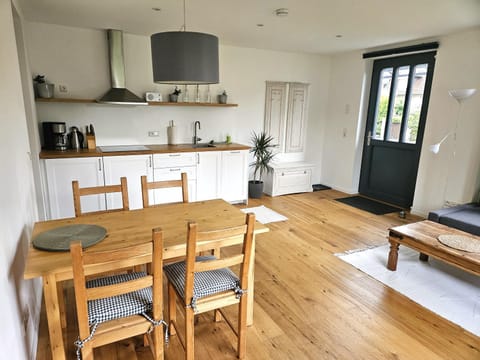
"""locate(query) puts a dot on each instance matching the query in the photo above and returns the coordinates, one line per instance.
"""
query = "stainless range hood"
(118, 94)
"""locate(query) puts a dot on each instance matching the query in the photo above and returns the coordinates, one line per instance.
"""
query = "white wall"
(441, 177)
(456, 67)
(78, 59)
(20, 300)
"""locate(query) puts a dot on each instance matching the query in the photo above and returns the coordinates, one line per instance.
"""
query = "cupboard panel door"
(60, 174)
(296, 116)
(208, 174)
(169, 195)
(132, 167)
(275, 112)
(234, 176)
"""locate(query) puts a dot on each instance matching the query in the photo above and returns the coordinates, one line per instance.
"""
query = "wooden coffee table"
(422, 237)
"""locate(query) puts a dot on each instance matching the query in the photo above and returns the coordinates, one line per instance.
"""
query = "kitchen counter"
(150, 149)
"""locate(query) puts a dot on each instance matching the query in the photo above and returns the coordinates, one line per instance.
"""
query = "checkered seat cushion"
(205, 283)
(115, 307)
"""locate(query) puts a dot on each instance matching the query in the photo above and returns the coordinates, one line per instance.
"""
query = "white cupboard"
(208, 175)
(60, 174)
(285, 114)
(234, 176)
(289, 178)
(170, 167)
(132, 167)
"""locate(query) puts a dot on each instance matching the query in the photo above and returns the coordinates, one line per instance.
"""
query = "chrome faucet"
(196, 139)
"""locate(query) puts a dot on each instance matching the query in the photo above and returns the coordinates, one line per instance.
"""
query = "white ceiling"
(311, 26)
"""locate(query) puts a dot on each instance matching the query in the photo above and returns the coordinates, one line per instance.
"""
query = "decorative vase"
(173, 97)
(255, 189)
(45, 90)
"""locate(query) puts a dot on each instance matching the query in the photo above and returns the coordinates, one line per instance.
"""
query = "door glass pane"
(415, 106)
(384, 86)
(398, 103)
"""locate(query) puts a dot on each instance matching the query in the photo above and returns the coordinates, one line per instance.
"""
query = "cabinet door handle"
(283, 174)
(304, 171)
(99, 164)
(198, 158)
(150, 161)
(234, 152)
(174, 169)
(172, 155)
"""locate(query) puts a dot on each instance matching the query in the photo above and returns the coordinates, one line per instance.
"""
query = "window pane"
(384, 86)
(415, 107)
(399, 102)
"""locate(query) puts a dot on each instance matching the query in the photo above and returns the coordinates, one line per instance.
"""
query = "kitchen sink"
(204, 145)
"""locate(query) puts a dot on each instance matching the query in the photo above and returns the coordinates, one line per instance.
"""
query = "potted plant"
(222, 98)
(42, 88)
(262, 149)
(174, 96)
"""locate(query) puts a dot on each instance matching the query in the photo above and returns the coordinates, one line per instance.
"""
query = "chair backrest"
(146, 186)
(92, 263)
(195, 238)
(96, 190)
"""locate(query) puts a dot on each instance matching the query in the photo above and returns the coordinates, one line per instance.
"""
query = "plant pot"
(173, 98)
(222, 99)
(255, 189)
(45, 90)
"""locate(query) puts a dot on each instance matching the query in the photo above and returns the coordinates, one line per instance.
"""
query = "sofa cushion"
(463, 217)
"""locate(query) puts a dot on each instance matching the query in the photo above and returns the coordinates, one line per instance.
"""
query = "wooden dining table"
(125, 228)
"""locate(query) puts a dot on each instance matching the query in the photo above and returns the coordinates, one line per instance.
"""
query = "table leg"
(250, 285)
(393, 255)
(52, 308)
(423, 257)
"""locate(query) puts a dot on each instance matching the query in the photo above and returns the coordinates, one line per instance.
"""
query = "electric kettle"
(76, 138)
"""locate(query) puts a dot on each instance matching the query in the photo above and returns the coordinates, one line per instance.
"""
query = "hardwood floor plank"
(309, 304)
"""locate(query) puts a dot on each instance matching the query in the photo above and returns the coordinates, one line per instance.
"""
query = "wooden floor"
(311, 305)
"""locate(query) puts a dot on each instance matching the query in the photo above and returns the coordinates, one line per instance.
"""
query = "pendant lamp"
(184, 57)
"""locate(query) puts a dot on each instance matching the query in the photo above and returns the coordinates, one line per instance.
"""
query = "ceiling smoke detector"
(281, 12)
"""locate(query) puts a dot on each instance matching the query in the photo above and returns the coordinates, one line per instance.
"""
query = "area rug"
(369, 205)
(449, 292)
(265, 215)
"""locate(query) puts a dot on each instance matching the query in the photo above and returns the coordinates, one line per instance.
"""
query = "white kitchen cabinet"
(170, 167)
(60, 174)
(208, 175)
(234, 176)
(285, 115)
(132, 167)
(288, 178)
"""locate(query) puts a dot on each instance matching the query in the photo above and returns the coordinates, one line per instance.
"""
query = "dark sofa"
(465, 217)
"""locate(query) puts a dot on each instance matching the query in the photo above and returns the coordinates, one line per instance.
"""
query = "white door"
(169, 195)
(132, 167)
(60, 174)
(208, 175)
(234, 176)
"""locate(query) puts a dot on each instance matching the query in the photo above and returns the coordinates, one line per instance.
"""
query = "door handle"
(369, 138)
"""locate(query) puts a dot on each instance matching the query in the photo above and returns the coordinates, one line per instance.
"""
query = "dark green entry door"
(397, 112)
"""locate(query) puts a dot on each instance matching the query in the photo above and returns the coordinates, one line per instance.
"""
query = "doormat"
(265, 215)
(450, 292)
(369, 205)
(319, 187)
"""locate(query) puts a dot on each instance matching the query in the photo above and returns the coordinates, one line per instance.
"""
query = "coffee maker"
(54, 136)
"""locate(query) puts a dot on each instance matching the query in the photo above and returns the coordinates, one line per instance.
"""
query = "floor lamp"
(460, 95)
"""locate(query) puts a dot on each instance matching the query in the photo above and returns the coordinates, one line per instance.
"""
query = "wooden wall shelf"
(151, 103)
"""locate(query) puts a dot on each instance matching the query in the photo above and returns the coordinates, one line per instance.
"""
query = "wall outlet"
(62, 88)
(154, 133)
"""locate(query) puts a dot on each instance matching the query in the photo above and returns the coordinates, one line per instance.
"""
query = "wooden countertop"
(152, 149)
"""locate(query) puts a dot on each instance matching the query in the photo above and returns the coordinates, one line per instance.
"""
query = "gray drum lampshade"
(184, 57)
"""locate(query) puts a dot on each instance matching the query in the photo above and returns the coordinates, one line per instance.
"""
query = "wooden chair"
(95, 190)
(110, 315)
(215, 285)
(146, 186)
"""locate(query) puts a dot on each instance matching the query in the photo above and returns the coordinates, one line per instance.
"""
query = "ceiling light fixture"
(281, 12)
(184, 57)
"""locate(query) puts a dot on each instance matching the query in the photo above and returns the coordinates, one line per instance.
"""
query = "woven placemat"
(461, 242)
(59, 239)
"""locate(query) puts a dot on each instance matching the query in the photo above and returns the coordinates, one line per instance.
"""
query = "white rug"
(265, 215)
(449, 292)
